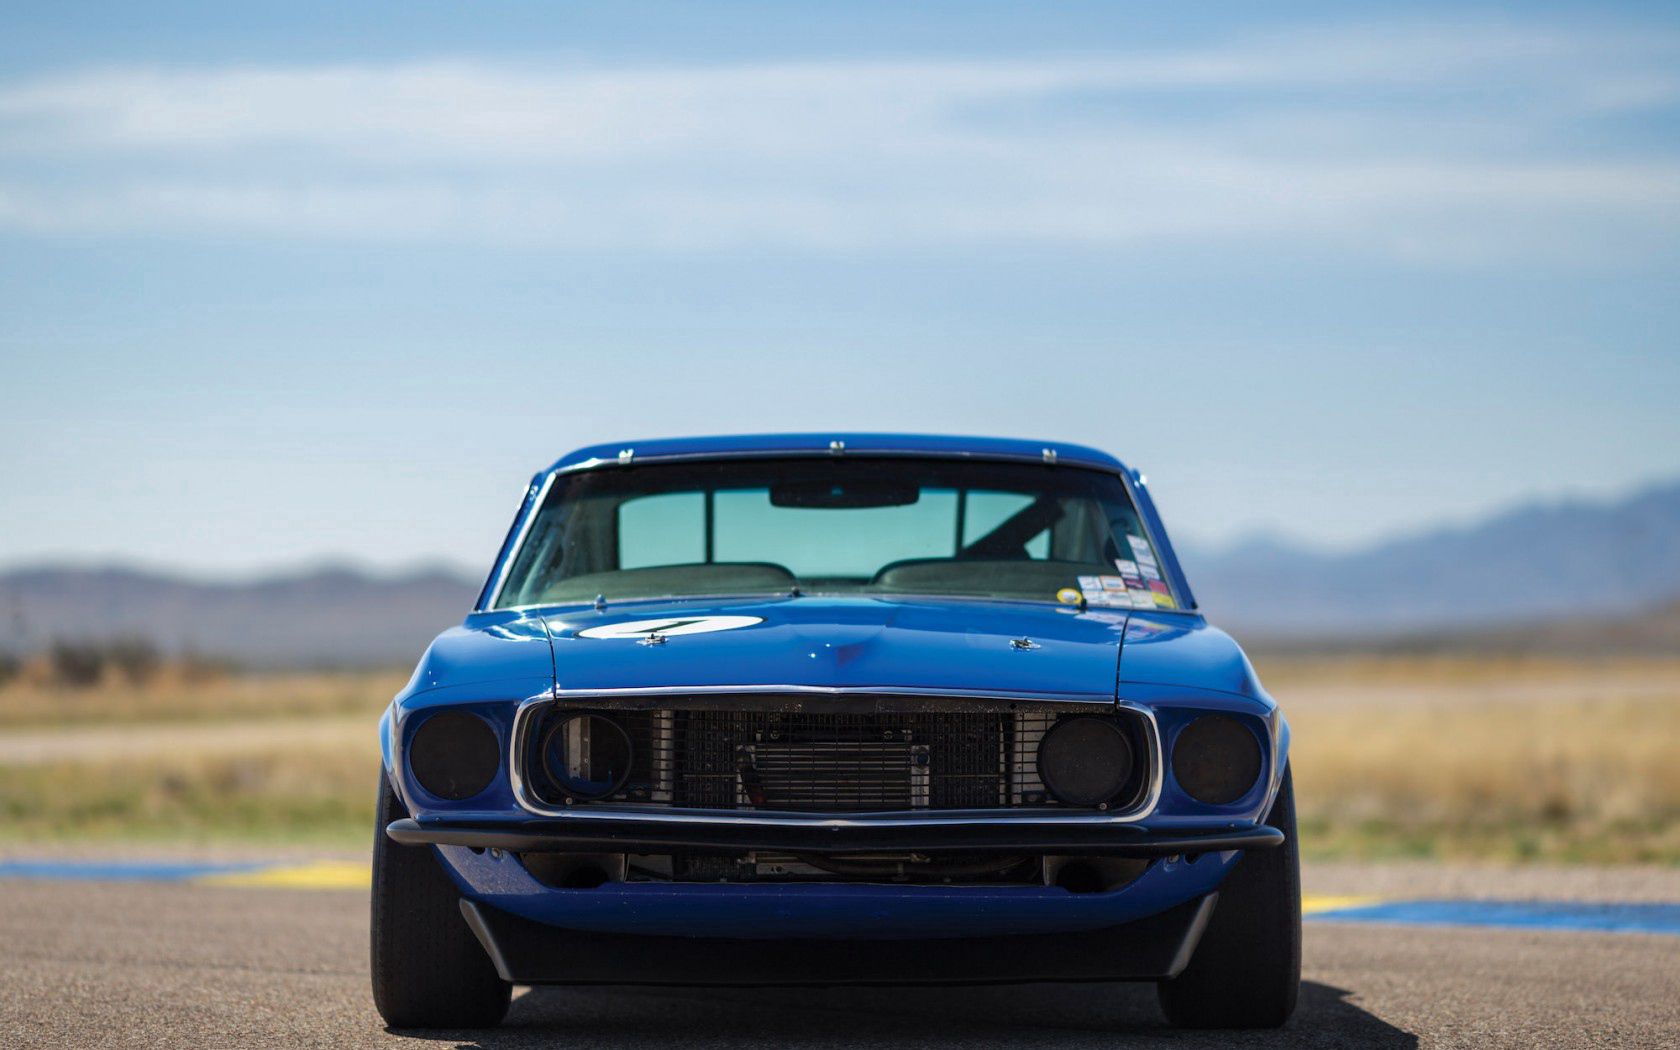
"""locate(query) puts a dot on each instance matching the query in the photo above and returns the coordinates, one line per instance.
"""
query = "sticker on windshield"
(1104, 590)
(1140, 548)
(670, 626)
(1069, 596)
(1116, 591)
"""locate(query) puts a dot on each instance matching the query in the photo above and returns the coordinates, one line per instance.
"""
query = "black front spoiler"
(1149, 949)
(632, 834)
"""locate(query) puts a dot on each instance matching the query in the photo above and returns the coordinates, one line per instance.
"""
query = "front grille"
(799, 760)
(760, 754)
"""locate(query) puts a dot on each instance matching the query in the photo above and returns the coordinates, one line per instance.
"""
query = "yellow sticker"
(1165, 601)
(1068, 596)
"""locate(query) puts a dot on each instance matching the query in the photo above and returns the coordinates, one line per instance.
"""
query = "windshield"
(838, 526)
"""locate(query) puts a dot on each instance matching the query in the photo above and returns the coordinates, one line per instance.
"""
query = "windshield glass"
(838, 526)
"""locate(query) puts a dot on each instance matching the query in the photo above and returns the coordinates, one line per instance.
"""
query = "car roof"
(941, 445)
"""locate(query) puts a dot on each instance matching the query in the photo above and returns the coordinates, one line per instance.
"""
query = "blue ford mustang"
(837, 708)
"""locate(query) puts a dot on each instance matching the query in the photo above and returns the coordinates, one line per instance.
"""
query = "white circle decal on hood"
(670, 626)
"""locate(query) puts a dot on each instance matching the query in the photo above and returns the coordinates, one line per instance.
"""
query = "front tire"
(429, 971)
(1246, 972)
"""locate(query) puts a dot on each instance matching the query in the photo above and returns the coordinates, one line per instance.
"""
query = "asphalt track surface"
(182, 964)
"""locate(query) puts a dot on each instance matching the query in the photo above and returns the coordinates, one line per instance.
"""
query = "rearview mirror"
(848, 495)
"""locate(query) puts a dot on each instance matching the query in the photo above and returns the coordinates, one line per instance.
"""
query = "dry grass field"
(282, 757)
(178, 698)
(1514, 758)
(1438, 757)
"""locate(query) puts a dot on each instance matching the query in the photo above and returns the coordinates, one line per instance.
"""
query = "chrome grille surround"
(897, 755)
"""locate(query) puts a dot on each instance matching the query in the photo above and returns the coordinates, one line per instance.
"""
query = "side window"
(667, 529)
(987, 510)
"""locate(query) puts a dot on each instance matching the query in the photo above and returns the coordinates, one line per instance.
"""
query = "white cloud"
(1433, 143)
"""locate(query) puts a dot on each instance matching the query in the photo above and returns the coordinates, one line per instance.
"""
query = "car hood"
(510, 651)
(966, 647)
(1184, 651)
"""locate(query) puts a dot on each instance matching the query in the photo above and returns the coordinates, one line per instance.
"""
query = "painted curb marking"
(1591, 916)
(118, 870)
(1594, 916)
(320, 875)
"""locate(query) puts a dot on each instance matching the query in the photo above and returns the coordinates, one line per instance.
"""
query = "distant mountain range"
(1537, 562)
(1528, 572)
(320, 618)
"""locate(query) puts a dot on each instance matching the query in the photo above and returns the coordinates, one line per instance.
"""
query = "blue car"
(835, 708)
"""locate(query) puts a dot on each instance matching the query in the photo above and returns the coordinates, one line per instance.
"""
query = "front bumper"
(663, 832)
(1156, 947)
(486, 861)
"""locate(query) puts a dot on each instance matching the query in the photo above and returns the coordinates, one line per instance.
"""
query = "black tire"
(1247, 970)
(429, 971)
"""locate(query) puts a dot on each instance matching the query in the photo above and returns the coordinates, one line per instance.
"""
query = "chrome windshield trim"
(561, 608)
(654, 814)
(517, 546)
(619, 603)
(620, 461)
(828, 453)
(1155, 547)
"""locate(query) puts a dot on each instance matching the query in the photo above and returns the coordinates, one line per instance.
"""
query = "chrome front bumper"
(618, 831)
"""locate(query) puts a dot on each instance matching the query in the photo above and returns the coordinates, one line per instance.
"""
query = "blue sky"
(285, 283)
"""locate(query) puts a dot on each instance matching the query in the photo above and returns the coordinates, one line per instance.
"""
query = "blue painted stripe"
(117, 871)
(1538, 915)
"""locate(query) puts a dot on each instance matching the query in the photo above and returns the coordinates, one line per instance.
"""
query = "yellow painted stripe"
(317, 875)
(1313, 903)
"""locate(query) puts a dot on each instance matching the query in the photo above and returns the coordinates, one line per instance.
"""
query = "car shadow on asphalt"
(1044, 1014)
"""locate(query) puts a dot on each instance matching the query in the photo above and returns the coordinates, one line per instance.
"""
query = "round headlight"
(454, 755)
(587, 756)
(1085, 761)
(1216, 759)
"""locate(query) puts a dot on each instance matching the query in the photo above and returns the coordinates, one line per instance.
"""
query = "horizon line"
(371, 569)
